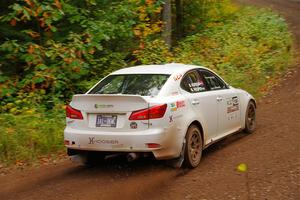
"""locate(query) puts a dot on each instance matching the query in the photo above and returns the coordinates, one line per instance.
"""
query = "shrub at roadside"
(25, 137)
(247, 50)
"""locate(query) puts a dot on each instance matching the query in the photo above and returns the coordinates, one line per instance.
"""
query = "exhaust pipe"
(132, 156)
(79, 158)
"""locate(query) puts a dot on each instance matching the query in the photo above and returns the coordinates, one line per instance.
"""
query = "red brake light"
(153, 145)
(140, 115)
(73, 113)
(154, 112)
(157, 111)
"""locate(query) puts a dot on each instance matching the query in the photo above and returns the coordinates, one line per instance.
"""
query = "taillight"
(153, 145)
(154, 112)
(73, 113)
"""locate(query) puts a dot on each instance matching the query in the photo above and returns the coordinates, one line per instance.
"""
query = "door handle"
(219, 99)
(195, 102)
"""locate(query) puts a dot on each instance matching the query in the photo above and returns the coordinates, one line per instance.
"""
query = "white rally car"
(172, 111)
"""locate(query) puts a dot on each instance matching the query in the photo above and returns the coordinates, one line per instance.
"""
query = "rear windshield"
(137, 84)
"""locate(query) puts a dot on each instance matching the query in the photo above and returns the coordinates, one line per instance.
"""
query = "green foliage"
(62, 43)
(246, 50)
(154, 52)
(198, 14)
(25, 137)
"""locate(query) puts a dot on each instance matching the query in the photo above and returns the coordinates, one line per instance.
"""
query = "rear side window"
(213, 81)
(137, 84)
(192, 82)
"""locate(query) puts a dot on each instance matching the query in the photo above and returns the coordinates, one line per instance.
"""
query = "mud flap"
(177, 162)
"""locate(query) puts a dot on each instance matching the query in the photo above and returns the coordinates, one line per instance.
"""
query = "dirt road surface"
(272, 154)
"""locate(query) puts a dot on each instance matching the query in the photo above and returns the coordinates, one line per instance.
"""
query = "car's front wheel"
(250, 118)
(193, 147)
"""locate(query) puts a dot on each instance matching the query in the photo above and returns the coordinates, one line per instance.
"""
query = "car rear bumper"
(125, 141)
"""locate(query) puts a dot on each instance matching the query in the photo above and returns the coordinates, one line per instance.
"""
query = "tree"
(167, 23)
(179, 19)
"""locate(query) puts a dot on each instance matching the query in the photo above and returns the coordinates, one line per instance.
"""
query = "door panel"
(229, 115)
(217, 106)
(228, 106)
(202, 101)
(206, 106)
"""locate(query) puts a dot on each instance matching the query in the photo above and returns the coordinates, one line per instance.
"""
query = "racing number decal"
(232, 108)
(232, 105)
(177, 77)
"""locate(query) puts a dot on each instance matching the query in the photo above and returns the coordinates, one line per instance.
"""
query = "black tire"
(250, 118)
(193, 147)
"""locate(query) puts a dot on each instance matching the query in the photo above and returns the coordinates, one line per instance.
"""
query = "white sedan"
(172, 111)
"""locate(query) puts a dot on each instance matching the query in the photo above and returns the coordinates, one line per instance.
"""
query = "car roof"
(170, 68)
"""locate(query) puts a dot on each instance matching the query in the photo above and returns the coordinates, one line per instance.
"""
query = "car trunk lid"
(110, 112)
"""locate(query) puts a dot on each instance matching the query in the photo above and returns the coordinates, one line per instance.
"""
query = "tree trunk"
(179, 19)
(167, 19)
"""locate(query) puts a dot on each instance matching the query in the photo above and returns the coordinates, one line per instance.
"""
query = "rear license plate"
(106, 121)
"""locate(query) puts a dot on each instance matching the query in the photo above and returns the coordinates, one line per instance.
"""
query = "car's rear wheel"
(250, 118)
(193, 147)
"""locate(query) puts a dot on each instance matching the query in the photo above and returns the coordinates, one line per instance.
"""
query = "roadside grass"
(25, 137)
(249, 49)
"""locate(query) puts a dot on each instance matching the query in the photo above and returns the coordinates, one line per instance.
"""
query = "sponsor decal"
(232, 105)
(173, 107)
(177, 104)
(180, 104)
(199, 83)
(235, 101)
(177, 77)
(133, 125)
(103, 106)
(197, 87)
(93, 140)
(232, 109)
